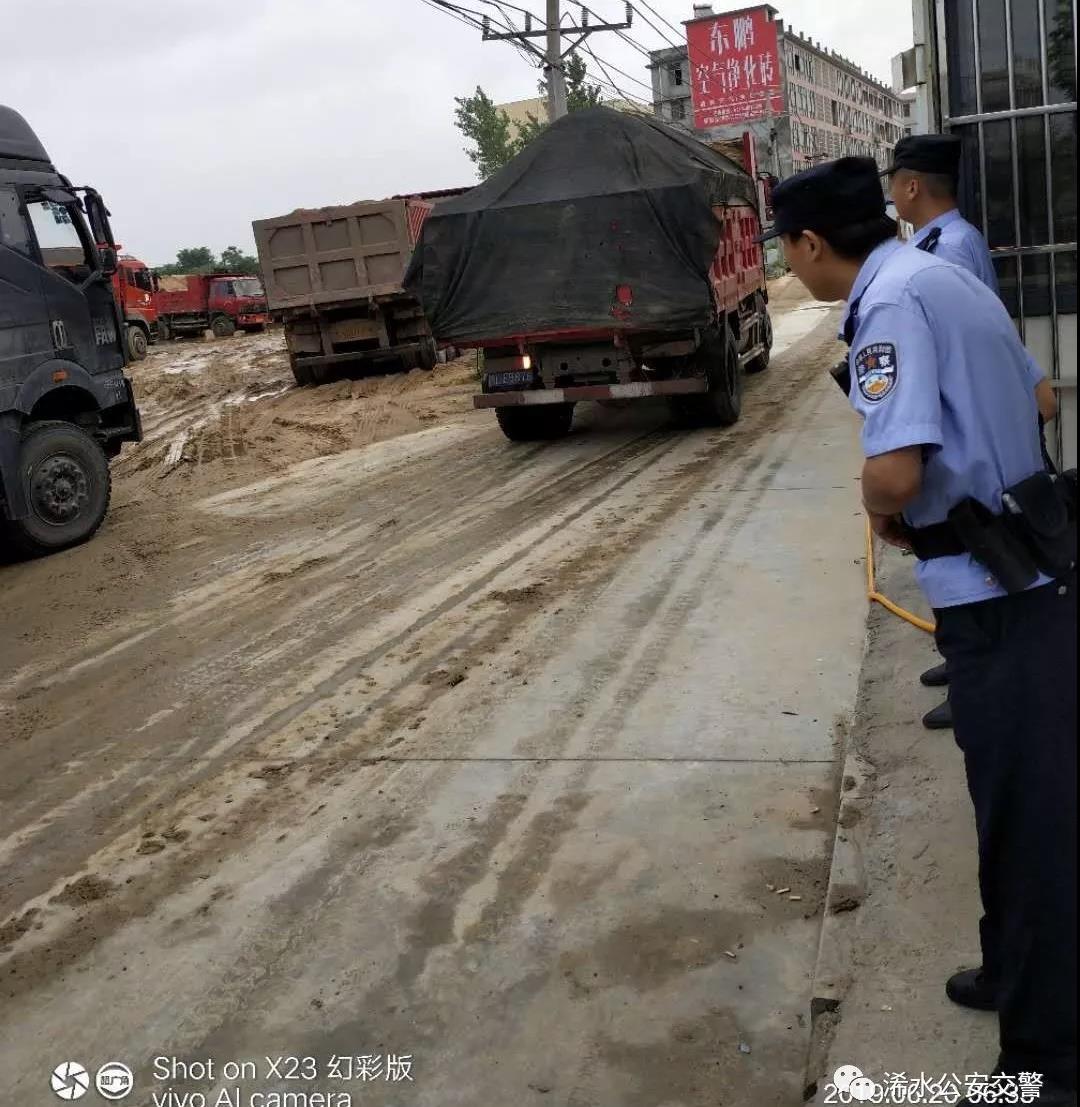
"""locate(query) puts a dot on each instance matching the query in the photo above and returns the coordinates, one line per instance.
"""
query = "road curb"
(845, 894)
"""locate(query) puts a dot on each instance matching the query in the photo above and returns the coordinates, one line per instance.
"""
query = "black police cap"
(928, 154)
(832, 195)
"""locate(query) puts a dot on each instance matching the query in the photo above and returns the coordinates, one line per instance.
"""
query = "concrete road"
(493, 757)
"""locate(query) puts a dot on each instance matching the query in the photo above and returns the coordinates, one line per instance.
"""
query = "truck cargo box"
(319, 256)
(185, 292)
(604, 219)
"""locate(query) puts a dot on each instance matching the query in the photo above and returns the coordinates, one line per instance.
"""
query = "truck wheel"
(429, 353)
(222, 326)
(163, 331)
(535, 423)
(137, 343)
(68, 486)
(761, 362)
(718, 359)
(301, 372)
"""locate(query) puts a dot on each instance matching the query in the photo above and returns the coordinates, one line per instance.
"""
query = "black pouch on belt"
(1041, 512)
(994, 544)
(841, 373)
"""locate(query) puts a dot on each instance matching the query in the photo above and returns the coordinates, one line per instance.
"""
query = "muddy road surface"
(360, 732)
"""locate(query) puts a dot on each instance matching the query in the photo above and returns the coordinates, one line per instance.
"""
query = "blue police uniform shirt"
(962, 244)
(936, 362)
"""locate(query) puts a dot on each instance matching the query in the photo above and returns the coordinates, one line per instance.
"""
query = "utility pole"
(556, 76)
(553, 57)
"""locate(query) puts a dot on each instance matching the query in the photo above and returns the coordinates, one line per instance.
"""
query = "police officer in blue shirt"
(923, 184)
(950, 435)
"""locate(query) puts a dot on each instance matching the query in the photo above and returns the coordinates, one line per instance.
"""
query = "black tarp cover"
(598, 200)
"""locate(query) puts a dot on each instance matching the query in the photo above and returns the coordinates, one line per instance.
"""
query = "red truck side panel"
(416, 211)
(738, 269)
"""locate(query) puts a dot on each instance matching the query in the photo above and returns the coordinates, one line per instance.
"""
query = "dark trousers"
(1012, 671)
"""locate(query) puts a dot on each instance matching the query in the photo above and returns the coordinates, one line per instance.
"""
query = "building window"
(678, 109)
(676, 72)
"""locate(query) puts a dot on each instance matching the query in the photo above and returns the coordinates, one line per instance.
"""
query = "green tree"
(195, 259)
(488, 129)
(496, 138)
(234, 260)
(579, 93)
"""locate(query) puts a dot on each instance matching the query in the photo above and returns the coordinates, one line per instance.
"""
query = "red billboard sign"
(735, 71)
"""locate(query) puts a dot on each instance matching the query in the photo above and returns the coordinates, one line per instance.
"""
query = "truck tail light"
(526, 361)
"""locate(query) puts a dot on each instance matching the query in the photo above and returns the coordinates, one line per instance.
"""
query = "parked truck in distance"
(612, 259)
(190, 303)
(134, 287)
(66, 406)
(333, 276)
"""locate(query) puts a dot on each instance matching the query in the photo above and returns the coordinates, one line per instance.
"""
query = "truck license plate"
(520, 378)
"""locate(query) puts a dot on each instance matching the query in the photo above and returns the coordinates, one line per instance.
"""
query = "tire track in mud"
(477, 636)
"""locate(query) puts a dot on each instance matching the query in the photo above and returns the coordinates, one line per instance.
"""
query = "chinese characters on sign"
(734, 68)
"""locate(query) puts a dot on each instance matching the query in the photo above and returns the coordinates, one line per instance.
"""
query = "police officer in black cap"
(923, 184)
(954, 472)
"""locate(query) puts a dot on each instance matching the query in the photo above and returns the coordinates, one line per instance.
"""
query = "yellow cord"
(876, 597)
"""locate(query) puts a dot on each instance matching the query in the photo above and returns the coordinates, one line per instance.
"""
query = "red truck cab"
(133, 285)
(242, 299)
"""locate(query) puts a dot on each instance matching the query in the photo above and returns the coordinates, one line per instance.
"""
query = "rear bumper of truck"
(634, 391)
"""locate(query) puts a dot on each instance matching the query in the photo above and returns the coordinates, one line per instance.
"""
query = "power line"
(629, 76)
(454, 12)
(622, 34)
(649, 23)
(650, 8)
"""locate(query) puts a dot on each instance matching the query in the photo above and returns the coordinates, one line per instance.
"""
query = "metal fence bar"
(1010, 113)
(1014, 160)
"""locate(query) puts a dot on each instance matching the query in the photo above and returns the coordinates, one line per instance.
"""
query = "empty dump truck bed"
(333, 276)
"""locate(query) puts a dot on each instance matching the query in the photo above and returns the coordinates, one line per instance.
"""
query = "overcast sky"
(193, 117)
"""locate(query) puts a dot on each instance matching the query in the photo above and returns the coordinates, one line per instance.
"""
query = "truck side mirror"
(109, 261)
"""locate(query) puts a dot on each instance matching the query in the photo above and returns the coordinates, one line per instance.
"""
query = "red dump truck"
(613, 258)
(133, 288)
(333, 277)
(223, 302)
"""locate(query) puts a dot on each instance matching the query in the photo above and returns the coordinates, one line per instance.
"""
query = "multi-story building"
(831, 107)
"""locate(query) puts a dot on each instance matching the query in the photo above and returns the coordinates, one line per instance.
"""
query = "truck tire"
(429, 353)
(530, 423)
(68, 486)
(718, 358)
(137, 343)
(301, 373)
(222, 326)
(163, 331)
(760, 363)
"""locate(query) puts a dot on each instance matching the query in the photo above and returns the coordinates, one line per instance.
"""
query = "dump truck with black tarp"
(613, 258)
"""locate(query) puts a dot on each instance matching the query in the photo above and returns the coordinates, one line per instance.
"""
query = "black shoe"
(940, 718)
(937, 677)
(971, 989)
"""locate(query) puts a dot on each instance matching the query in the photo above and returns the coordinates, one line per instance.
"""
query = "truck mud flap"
(634, 391)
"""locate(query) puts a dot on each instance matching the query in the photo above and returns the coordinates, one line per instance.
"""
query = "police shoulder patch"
(876, 370)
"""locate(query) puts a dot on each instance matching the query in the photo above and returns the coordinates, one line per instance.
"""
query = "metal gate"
(1006, 84)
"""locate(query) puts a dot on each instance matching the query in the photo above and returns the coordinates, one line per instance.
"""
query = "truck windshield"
(248, 286)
